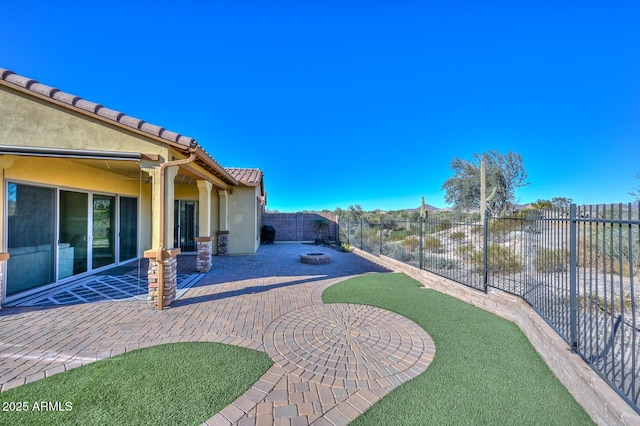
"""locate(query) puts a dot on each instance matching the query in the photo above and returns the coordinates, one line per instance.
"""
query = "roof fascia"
(204, 161)
(200, 153)
(90, 114)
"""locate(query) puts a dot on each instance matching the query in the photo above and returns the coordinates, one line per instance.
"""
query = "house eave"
(75, 153)
(110, 117)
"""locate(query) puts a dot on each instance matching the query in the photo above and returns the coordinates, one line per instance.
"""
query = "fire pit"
(315, 258)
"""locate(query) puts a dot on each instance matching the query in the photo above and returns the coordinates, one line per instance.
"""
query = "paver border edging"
(84, 358)
(599, 400)
(329, 399)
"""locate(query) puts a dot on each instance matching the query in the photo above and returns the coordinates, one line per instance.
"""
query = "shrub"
(548, 260)
(458, 235)
(411, 242)
(435, 262)
(507, 224)
(396, 251)
(464, 250)
(612, 303)
(431, 243)
(345, 247)
(443, 225)
(400, 235)
(477, 229)
(618, 255)
(432, 226)
(500, 260)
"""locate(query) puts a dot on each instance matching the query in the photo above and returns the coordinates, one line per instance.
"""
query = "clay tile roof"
(93, 108)
(43, 89)
(172, 136)
(127, 120)
(251, 177)
(110, 113)
(152, 129)
(88, 105)
(67, 98)
(18, 80)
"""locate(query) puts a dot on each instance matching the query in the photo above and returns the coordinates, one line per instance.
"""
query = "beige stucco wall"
(186, 191)
(215, 217)
(189, 191)
(74, 176)
(243, 227)
(32, 122)
(27, 121)
(71, 174)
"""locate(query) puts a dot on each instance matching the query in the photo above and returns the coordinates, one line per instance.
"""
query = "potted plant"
(321, 224)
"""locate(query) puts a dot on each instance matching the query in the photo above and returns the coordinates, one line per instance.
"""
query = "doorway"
(103, 236)
(55, 234)
(186, 225)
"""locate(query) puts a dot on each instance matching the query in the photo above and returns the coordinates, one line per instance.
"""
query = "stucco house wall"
(52, 139)
(28, 121)
(60, 173)
(244, 235)
(31, 123)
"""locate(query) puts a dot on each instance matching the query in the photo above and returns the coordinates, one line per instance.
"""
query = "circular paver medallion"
(346, 344)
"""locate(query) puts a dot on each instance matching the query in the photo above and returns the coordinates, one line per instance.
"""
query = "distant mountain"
(429, 208)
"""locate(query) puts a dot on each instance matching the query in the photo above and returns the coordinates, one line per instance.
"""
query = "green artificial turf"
(485, 371)
(172, 384)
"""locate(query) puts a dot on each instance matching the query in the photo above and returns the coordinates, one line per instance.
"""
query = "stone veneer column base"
(223, 242)
(205, 250)
(170, 274)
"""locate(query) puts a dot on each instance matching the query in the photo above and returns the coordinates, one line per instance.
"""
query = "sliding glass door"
(31, 233)
(128, 228)
(103, 236)
(186, 225)
(73, 228)
(54, 234)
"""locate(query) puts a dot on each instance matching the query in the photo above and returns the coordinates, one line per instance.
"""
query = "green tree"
(542, 204)
(353, 212)
(504, 172)
(563, 202)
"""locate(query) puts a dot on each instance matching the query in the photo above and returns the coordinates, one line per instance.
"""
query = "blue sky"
(360, 102)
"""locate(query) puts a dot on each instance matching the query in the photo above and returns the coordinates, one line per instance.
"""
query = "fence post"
(420, 246)
(349, 231)
(380, 251)
(573, 290)
(485, 252)
(361, 234)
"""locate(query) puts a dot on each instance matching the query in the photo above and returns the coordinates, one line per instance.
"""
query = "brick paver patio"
(331, 362)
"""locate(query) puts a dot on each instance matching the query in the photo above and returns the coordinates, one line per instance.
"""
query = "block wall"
(301, 226)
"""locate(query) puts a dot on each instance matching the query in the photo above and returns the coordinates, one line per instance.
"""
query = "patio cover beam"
(76, 153)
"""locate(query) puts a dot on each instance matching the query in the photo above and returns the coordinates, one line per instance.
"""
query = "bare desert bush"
(549, 261)
(500, 260)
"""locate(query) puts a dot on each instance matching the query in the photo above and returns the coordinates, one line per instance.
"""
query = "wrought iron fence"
(576, 266)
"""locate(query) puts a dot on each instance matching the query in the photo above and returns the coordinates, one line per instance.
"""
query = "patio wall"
(301, 226)
(600, 401)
